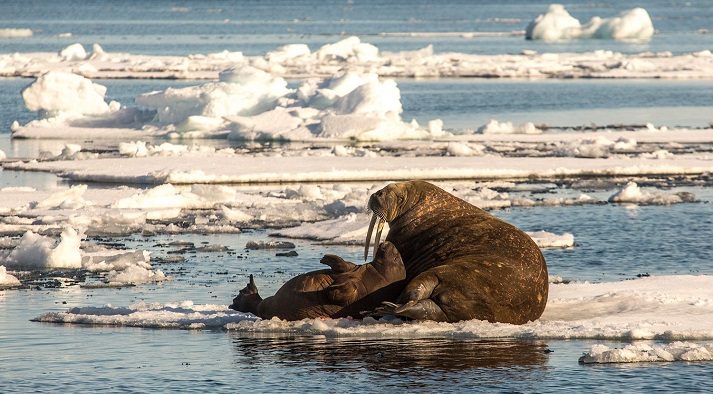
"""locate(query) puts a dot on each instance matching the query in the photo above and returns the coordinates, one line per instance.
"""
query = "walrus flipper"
(337, 263)
(415, 302)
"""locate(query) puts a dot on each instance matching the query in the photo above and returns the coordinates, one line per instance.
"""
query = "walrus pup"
(461, 262)
(344, 290)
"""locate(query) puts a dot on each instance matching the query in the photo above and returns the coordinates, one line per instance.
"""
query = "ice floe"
(297, 61)
(557, 24)
(545, 239)
(632, 194)
(245, 104)
(351, 229)
(39, 252)
(7, 280)
(644, 352)
(35, 252)
(15, 33)
(56, 92)
(495, 127)
(665, 308)
(245, 169)
(183, 315)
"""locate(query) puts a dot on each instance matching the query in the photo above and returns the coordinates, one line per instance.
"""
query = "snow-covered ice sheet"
(299, 61)
(665, 307)
(241, 169)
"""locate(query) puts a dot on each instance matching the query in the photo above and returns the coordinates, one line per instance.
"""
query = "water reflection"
(388, 355)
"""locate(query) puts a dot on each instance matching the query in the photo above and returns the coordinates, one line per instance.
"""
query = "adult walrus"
(461, 262)
(344, 290)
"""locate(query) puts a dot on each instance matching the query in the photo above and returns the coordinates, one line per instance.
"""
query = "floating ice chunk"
(287, 52)
(15, 33)
(98, 52)
(597, 147)
(269, 245)
(168, 196)
(37, 252)
(56, 92)
(241, 91)
(135, 275)
(184, 315)
(634, 24)
(642, 352)
(495, 127)
(114, 260)
(235, 215)
(545, 239)
(348, 48)
(71, 198)
(275, 124)
(74, 52)
(133, 149)
(374, 97)
(631, 193)
(7, 280)
(556, 24)
(462, 149)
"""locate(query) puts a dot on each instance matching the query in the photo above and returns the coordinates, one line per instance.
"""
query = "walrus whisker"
(379, 228)
(368, 236)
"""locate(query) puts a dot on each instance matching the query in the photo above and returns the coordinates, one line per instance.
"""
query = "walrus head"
(387, 260)
(388, 204)
(248, 299)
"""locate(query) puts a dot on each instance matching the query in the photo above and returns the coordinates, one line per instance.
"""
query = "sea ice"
(351, 229)
(545, 239)
(57, 93)
(39, 252)
(632, 193)
(495, 127)
(296, 60)
(644, 352)
(15, 33)
(245, 104)
(557, 24)
(7, 280)
(665, 307)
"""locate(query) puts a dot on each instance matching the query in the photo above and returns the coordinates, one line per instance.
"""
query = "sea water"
(613, 242)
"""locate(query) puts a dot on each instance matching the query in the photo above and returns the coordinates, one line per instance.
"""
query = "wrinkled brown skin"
(461, 262)
(346, 289)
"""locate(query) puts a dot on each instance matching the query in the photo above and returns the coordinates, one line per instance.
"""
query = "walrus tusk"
(379, 227)
(368, 237)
